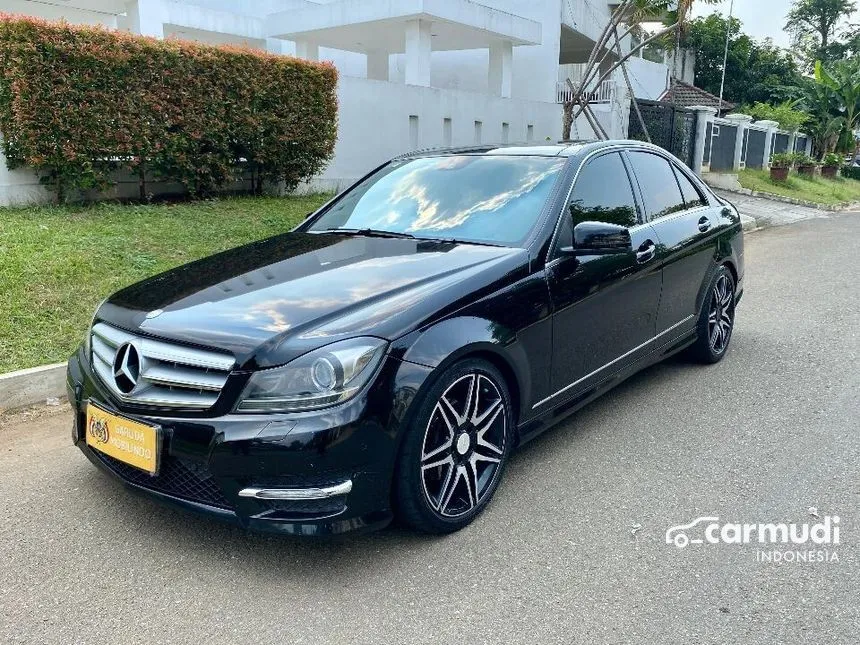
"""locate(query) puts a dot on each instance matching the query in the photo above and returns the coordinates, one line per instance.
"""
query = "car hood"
(273, 300)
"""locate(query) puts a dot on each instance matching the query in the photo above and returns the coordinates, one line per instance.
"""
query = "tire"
(455, 451)
(716, 320)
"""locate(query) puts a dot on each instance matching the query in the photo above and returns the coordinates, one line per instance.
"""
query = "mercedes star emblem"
(126, 368)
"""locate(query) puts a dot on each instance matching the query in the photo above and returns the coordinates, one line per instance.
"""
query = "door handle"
(704, 224)
(646, 252)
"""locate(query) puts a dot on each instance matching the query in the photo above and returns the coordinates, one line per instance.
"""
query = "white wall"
(534, 66)
(365, 105)
(648, 79)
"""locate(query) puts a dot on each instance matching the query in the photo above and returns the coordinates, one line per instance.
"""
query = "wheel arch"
(456, 339)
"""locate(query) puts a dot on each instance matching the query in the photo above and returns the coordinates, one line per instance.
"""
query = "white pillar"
(768, 141)
(418, 52)
(704, 115)
(147, 18)
(275, 45)
(501, 68)
(741, 121)
(377, 65)
(307, 50)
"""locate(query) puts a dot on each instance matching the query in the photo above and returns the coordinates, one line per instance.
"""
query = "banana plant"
(843, 80)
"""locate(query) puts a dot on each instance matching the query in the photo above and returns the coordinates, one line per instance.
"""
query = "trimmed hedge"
(77, 103)
(850, 172)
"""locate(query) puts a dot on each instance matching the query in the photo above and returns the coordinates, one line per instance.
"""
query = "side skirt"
(583, 397)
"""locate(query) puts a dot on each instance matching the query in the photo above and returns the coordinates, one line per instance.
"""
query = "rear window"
(657, 181)
(496, 199)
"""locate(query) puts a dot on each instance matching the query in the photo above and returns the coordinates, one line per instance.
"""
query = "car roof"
(560, 149)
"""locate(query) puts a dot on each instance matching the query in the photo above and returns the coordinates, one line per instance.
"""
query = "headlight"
(326, 376)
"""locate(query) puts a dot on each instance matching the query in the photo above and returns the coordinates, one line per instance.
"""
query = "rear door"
(605, 306)
(685, 226)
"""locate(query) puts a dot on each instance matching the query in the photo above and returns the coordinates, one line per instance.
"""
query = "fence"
(735, 142)
(604, 93)
(669, 126)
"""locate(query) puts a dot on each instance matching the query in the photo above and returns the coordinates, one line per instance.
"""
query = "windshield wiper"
(375, 232)
(370, 232)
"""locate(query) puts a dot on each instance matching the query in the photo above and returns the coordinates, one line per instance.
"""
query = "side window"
(659, 187)
(692, 196)
(603, 193)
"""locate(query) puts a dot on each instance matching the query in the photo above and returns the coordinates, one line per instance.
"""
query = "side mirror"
(599, 238)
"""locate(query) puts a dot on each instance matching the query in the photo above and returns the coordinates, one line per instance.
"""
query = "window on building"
(446, 132)
(413, 131)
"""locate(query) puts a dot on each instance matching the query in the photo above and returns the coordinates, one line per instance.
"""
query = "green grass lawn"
(58, 263)
(814, 189)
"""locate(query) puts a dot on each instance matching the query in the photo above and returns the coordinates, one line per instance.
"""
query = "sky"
(760, 18)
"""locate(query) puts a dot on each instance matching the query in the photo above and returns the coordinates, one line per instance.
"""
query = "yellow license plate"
(129, 441)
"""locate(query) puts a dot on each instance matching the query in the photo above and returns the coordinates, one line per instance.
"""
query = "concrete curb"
(791, 200)
(35, 385)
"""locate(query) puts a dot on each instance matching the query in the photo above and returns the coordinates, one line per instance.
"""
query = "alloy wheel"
(721, 314)
(464, 444)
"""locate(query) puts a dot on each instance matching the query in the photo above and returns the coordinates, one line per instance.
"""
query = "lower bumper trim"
(297, 494)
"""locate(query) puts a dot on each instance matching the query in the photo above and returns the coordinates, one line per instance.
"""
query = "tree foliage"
(78, 103)
(815, 25)
(755, 71)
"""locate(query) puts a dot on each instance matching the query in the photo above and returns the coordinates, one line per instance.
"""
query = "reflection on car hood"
(272, 300)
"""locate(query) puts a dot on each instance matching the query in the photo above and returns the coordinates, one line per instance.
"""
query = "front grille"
(158, 373)
(183, 479)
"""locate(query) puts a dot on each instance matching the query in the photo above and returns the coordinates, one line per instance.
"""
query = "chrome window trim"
(595, 153)
(612, 362)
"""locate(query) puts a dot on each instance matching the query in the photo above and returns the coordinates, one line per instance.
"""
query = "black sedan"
(385, 357)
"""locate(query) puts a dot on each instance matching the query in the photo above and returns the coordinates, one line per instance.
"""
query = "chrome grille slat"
(185, 378)
(111, 335)
(170, 376)
(102, 350)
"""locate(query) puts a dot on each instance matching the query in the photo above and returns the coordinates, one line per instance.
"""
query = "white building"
(413, 73)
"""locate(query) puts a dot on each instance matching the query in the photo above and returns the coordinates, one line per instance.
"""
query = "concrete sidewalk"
(769, 212)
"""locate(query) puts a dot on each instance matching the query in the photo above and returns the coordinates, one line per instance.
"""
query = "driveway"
(572, 550)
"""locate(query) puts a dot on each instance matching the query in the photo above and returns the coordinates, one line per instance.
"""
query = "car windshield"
(471, 198)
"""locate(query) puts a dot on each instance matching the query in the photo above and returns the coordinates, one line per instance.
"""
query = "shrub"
(77, 103)
(850, 172)
(786, 114)
(831, 159)
(782, 160)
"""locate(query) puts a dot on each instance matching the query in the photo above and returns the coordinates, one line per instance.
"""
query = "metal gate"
(755, 148)
(671, 127)
(723, 146)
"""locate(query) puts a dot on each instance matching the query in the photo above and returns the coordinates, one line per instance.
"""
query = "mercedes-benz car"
(384, 358)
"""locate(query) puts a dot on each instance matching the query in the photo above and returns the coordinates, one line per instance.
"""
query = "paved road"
(763, 436)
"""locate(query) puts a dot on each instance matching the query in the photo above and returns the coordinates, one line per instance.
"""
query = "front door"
(604, 306)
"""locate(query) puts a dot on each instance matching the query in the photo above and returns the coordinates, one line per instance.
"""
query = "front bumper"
(336, 464)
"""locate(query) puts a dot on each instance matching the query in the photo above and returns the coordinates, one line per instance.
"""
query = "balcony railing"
(604, 93)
